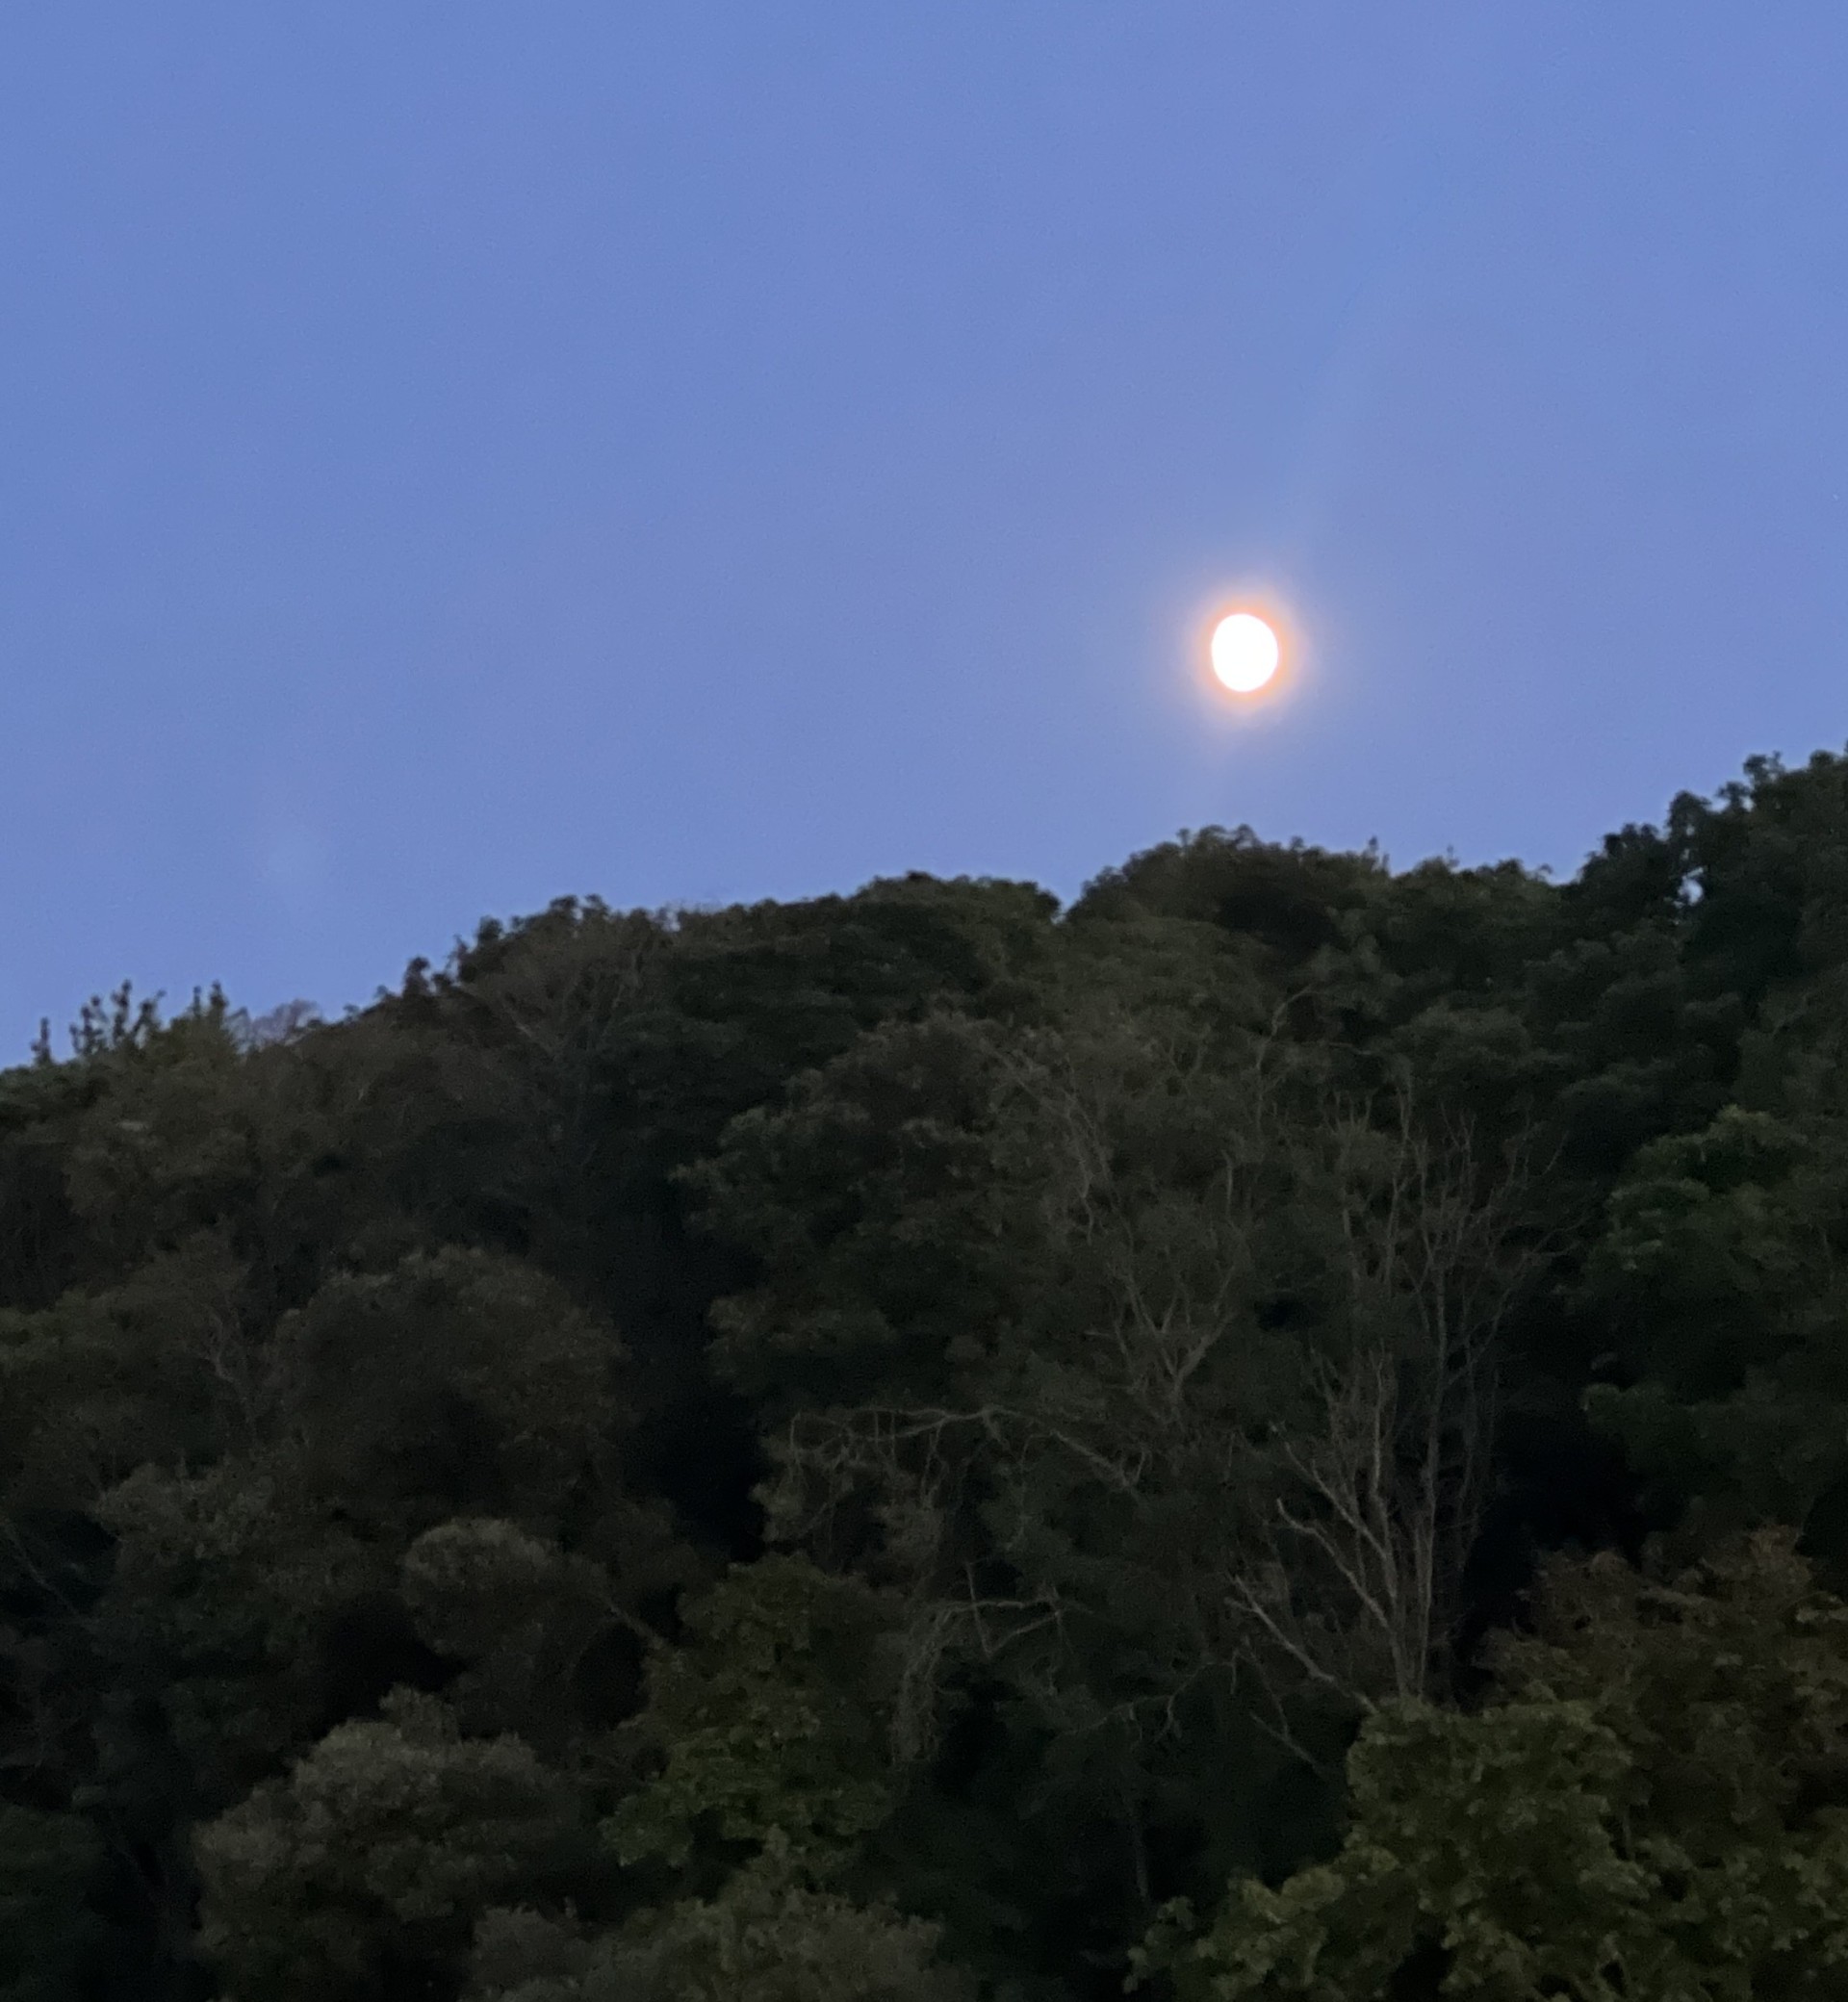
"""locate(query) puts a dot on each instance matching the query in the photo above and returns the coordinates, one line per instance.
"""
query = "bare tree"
(1355, 1588)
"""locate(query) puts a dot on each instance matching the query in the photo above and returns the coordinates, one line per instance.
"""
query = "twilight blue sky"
(455, 454)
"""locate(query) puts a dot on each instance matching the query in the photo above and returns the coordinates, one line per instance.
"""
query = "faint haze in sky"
(453, 456)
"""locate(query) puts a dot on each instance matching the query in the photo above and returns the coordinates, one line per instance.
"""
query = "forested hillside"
(1280, 1432)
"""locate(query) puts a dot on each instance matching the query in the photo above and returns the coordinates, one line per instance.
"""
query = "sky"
(457, 455)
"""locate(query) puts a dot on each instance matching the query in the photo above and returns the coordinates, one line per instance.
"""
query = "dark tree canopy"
(924, 1446)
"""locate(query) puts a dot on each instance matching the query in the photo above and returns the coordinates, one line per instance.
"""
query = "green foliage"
(1654, 1805)
(764, 1939)
(453, 1381)
(766, 1723)
(360, 1874)
(1719, 1276)
(221, 1582)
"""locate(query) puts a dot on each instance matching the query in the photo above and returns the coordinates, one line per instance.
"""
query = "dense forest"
(1279, 1431)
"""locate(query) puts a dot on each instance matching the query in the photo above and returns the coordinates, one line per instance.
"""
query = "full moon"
(1245, 653)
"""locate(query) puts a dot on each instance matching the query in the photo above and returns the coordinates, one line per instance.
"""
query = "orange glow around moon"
(1246, 652)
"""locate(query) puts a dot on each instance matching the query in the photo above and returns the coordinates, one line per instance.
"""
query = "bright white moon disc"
(1245, 653)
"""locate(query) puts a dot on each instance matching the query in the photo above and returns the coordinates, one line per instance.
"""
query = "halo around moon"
(1244, 651)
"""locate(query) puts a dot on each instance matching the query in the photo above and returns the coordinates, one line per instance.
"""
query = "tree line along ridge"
(1279, 1431)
